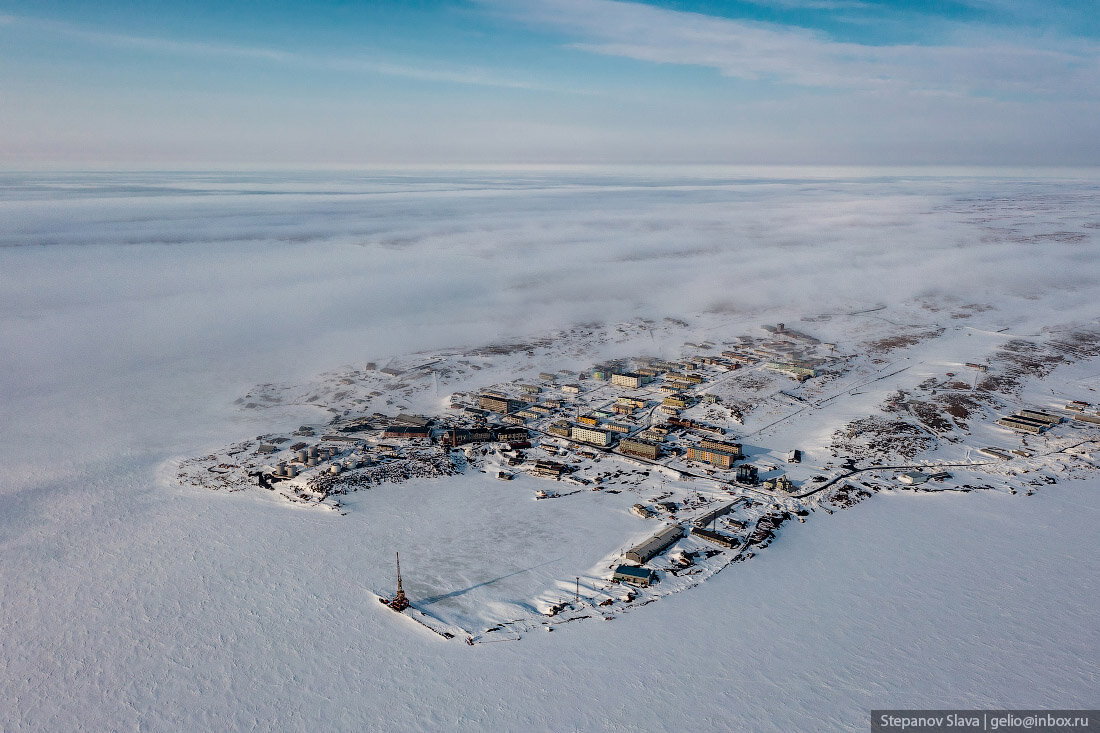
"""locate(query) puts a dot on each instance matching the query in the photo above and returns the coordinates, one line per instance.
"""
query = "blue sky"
(548, 81)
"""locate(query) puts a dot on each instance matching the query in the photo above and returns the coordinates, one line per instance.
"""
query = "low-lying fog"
(115, 285)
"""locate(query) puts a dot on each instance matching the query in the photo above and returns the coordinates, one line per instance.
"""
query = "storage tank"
(303, 455)
(291, 471)
(335, 468)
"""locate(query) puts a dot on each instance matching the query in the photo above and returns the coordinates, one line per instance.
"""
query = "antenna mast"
(399, 602)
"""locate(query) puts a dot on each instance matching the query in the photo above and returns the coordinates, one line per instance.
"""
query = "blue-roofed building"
(641, 577)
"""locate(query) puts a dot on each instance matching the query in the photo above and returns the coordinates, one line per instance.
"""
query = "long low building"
(641, 577)
(1044, 417)
(1023, 426)
(655, 545)
(704, 519)
(715, 537)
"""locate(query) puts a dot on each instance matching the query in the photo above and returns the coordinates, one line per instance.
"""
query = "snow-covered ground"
(147, 307)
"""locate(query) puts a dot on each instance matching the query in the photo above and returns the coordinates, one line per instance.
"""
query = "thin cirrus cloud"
(204, 49)
(971, 62)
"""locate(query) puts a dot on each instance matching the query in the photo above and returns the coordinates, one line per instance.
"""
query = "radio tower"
(399, 602)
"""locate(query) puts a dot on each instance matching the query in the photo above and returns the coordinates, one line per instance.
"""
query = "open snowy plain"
(136, 309)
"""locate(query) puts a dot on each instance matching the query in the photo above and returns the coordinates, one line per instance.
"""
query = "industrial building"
(640, 448)
(655, 545)
(748, 474)
(716, 458)
(595, 436)
(715, 537)
(780, 483)
(1041, 416)
(1022, 426)
(705, 519)
(641, 577)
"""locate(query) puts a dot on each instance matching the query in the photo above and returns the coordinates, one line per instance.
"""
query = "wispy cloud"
(203, 49)
(972, 63)
(810, 4)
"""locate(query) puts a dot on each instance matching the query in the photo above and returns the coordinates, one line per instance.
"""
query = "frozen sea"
(136, 307)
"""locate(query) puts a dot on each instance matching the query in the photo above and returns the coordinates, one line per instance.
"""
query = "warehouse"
(1023, 426)
(705, 519)
(655, 545)
(1041, 416)
(641, 577)
(715, 537)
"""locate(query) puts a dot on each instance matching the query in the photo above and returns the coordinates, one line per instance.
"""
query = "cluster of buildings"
(1030, 421)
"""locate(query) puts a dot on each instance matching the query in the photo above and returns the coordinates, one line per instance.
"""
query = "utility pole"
(577, 595)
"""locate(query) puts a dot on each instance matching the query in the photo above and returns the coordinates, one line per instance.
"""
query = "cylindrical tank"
(291, 471)
(280, 468)
(303, 455)
(312, 451)
(334, 468)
